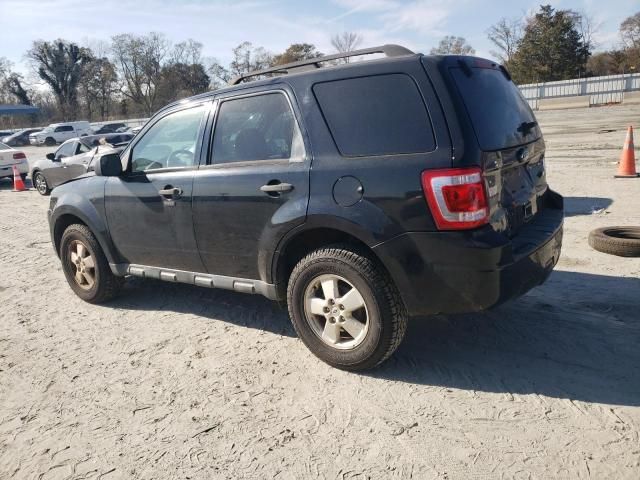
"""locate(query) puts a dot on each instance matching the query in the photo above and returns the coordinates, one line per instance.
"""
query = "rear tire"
(85, 266)
(361, 323)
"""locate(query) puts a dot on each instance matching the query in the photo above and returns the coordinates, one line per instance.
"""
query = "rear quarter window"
(378, 115)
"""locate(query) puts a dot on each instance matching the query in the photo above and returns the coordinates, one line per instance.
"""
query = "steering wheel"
(180, 158)
(143, 164)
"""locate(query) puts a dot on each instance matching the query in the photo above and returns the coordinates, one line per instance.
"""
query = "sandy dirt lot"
(174, 381)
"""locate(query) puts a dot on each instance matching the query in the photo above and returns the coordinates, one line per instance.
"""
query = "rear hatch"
(511, 146)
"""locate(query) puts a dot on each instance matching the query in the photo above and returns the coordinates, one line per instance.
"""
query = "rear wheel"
(345, 308)
(85, 266)
(40, 182)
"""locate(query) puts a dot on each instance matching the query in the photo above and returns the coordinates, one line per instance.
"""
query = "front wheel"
(49, 142)
(86, 267)
(40, 182)
(345, 308)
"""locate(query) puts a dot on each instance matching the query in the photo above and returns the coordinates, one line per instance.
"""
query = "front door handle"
(276, 188)
(171, 192)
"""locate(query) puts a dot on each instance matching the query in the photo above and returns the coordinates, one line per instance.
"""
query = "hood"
(85, 175)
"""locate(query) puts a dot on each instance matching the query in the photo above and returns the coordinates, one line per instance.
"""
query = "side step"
(243, 285)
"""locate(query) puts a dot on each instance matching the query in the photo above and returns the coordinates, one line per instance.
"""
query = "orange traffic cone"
(18, 183)
(627, 168)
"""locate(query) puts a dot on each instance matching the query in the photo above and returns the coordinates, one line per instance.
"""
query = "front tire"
(85, 266)
(40, 183)
(345, 308)
(49, 141)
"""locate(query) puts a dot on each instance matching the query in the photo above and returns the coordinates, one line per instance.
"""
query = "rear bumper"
(460, 272)
(7, 171)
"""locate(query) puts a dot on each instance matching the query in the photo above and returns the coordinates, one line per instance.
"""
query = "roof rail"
(389, 50)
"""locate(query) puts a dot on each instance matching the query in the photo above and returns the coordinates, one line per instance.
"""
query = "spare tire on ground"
(621, 241)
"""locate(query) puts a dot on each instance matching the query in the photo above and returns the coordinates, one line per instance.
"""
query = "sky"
(274, 24)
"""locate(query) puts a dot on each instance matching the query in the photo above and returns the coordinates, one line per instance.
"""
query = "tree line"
(555, 45)
(134, 75)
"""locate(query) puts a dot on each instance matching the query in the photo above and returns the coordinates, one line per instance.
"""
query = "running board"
(243, 285)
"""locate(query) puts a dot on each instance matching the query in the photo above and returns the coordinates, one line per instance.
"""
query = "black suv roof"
(303, 68)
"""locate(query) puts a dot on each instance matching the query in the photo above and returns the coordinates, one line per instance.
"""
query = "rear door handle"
(276, 188)
(171, 192)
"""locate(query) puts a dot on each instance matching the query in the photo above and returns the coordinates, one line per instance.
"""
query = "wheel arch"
(302, 241)
(67, 215)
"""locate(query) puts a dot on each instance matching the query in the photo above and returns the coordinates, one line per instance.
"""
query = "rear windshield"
(500, 115)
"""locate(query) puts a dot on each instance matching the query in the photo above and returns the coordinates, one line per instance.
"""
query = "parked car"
(108, 128)
(360, 194)
(60, 132)
(10, 157)
(19, 138)
(73, 158)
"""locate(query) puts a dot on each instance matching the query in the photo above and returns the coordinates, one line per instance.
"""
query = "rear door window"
(258, 127)
(377, 115)
(500, 115)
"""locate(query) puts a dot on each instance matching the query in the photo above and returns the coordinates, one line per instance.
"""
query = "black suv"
(361, 193)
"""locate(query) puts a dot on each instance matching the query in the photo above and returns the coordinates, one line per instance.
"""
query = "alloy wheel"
(336, 311)
(84, 264)
(41, 183)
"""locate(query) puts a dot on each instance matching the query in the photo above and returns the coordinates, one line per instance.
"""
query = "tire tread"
(380, 283)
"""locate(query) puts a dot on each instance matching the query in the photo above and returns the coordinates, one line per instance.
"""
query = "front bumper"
(36, 140)
(461, 272)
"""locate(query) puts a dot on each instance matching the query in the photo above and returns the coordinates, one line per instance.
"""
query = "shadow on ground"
(576, 337)
(7, 183)
(251, 311)
(574, 206)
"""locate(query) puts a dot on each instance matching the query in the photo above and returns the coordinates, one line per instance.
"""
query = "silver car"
(73, 158)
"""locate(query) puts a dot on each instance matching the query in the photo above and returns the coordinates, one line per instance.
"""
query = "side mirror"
(52, 157)
(108, 165)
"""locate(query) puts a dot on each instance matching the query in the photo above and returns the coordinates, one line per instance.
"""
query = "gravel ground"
(174, 381)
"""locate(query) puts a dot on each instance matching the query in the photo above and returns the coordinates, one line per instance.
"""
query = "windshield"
(500, 115)
(4, 147)
(47, 130)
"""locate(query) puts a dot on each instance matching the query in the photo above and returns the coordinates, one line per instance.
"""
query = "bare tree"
(15, 86)
(587, 26)
(247, 58)
(505, 35)
(218, 74)
(98, 87)
(60, 64)
(630, 31)
(346, 42)
(451, 45)
(140, 60)
(188, 52)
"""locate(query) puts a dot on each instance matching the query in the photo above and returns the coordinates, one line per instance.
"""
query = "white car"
(10, 157)
(60, 132)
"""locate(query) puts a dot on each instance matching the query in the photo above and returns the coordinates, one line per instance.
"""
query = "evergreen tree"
(551, 48)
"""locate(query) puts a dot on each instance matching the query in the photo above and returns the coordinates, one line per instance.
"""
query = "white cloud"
(423, 16)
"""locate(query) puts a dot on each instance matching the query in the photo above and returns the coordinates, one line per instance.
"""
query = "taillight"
(19, 156)
(456, 197)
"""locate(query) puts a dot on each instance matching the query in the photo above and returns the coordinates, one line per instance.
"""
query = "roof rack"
(389, 50)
